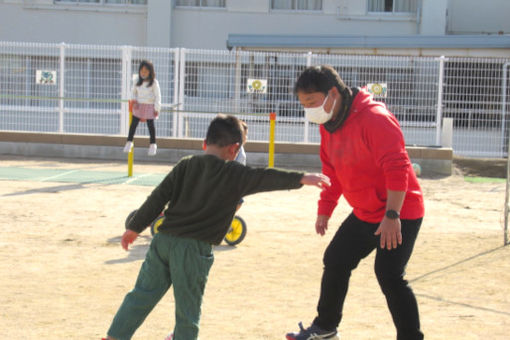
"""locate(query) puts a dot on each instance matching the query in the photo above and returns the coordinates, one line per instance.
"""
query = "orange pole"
(131, 154)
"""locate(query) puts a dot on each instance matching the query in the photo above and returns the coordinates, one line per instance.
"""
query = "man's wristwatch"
(392, 214)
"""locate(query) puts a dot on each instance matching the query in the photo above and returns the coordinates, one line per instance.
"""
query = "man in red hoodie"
(363, 153)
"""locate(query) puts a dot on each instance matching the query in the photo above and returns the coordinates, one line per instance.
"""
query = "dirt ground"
(63, 273)
(481, 167)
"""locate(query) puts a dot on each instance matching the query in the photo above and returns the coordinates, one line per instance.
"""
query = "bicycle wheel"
(156, 224)
(236, 232)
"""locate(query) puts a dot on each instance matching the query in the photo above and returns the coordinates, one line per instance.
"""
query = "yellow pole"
(131, 154)
(272, 123)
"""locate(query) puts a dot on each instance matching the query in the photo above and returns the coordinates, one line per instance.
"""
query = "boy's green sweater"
(202, 193)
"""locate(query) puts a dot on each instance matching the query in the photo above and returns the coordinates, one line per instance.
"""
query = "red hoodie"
(364, 158)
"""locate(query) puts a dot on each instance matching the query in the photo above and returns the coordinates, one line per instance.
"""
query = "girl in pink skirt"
(146, 103)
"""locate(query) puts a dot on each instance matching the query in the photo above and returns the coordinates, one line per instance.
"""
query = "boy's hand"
(319, 180)
(128, 238)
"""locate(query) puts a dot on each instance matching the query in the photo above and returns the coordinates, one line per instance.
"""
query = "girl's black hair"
(152, 75)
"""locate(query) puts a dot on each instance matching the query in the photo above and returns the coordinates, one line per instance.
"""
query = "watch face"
(392, 214)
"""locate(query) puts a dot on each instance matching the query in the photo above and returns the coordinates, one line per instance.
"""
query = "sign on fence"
(256, 85)
(45, 77)
(379, 90)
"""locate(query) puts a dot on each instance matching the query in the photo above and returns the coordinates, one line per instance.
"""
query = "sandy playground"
(63, 273)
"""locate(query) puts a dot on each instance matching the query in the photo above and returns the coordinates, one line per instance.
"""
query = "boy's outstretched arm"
(319, 180)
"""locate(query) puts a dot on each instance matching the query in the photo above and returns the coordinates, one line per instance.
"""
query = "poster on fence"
(45, 77)
(256, 86)
(378, 90)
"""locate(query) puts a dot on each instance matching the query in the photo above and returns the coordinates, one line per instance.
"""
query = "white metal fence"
(84, 89)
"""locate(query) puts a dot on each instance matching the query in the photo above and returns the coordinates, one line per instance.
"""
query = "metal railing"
(84, 89)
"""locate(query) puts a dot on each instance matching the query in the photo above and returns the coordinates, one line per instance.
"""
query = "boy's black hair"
(224, 130)
(322, 78)
(152, 74)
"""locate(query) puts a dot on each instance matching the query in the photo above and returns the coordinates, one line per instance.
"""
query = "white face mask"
(317, 114)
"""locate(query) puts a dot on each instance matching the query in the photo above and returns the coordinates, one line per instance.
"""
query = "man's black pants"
(354, 241)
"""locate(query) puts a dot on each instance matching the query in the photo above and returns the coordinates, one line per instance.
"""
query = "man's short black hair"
(320, 78)
(323, 78)
(224, 130)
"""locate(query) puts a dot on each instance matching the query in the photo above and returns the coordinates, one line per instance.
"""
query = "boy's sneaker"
(152, 149)
(128, 147)
(312, 333)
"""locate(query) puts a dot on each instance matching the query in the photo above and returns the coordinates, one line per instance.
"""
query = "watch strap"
(392, 214)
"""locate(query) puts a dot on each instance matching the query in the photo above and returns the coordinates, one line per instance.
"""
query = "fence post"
(182, 77)
(125, 89)
(503, 108)
(439, 112)
(447, 133)
(237, 81)
(176, 103)
(307, 123)
(503, 132)
(61, 92)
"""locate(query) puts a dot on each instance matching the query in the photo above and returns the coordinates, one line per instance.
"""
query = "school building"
(404, 27)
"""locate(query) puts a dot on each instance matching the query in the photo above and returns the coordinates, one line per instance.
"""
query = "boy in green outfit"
(203, 192)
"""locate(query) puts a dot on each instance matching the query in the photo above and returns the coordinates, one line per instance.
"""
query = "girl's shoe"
(152, 149)
(128, 147)
(312, 333)
(169, 336)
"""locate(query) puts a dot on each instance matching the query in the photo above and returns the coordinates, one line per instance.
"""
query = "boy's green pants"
(183, 262)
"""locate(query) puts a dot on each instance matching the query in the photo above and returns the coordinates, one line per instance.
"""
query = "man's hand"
(390, 231)
(319, 180)
(128, 238)
(321, 224)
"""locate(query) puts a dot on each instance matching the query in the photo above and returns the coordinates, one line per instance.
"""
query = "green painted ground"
(484, 179)
(78, 176)
(113, 177)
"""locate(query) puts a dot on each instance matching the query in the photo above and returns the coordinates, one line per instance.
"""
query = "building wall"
(209, 28)
(161, 24)
(478, 17)
(198, 29)
(43, 21)
(433, 17)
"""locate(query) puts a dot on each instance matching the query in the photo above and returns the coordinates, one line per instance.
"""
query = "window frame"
(392, 13)
(295, 10)
(98, 3)
(200, 7)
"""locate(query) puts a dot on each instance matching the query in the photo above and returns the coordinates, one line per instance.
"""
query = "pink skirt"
(144, 111)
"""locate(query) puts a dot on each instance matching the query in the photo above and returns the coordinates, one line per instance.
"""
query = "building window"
(392, 6)
(297, 5)
(105, 2)
(200, 3)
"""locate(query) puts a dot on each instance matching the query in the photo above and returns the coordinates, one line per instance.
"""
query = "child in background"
(202, 193)
(146, 101)
(241, 156)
